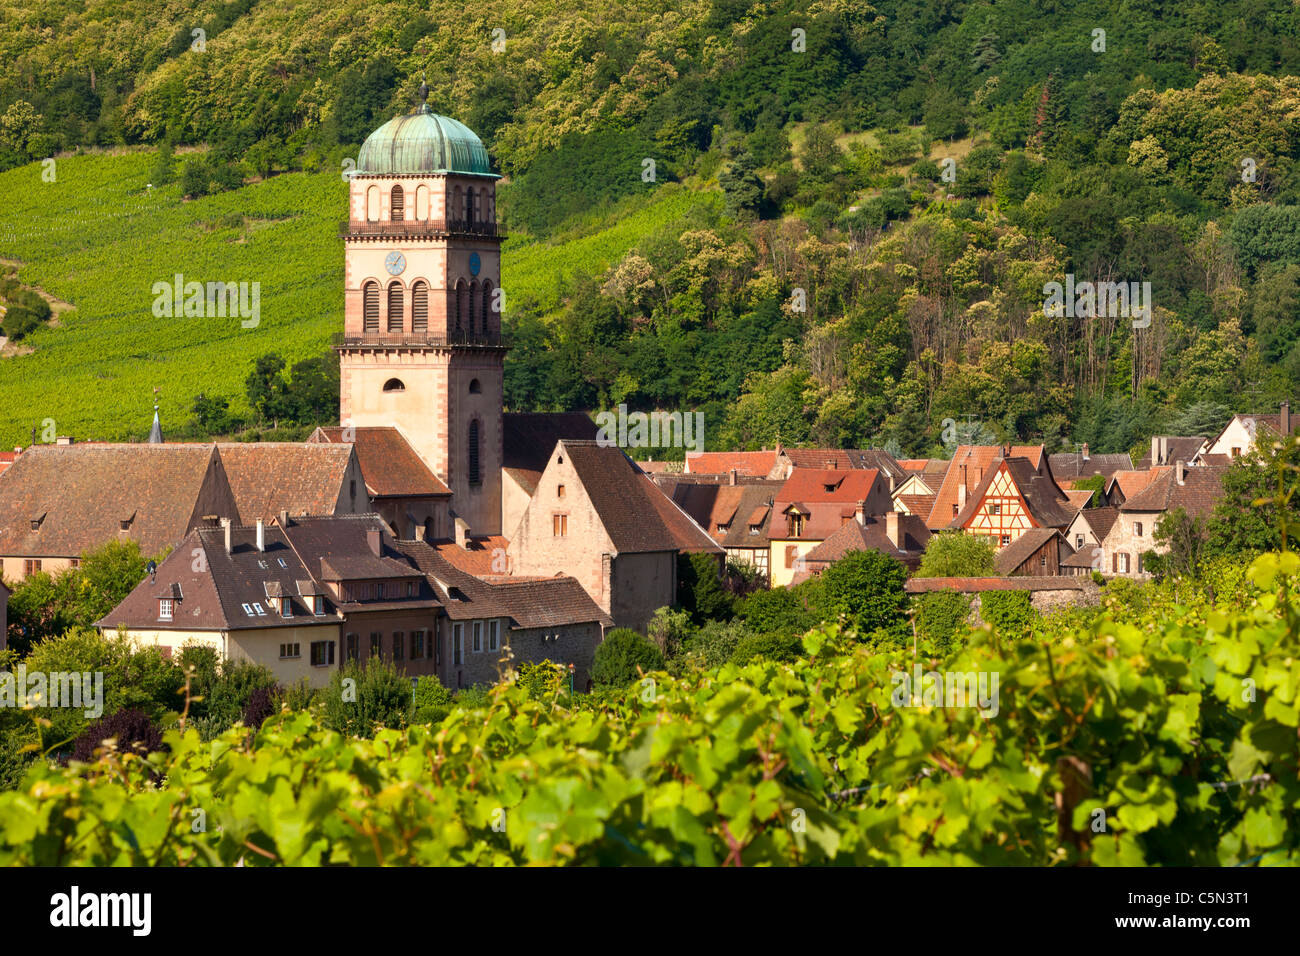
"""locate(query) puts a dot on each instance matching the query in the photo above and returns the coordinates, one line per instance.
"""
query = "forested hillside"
(825, 273)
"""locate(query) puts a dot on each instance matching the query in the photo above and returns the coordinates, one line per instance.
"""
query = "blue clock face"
(474, 263)
(395, 263)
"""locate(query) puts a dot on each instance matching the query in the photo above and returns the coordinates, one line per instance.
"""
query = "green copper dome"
(423, 142)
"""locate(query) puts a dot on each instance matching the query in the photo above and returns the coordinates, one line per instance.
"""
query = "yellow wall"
(780, 574)
(261, 646)
(13, 567)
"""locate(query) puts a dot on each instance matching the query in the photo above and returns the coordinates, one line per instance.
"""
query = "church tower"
(421, 347)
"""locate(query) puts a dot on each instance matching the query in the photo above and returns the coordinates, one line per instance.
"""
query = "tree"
(20, 131)
(267, 389)
(741, 185)
(821, 155)
(1183, 537)
(623, 657)
(955, 554)
(700, 591)
(867, 588)
(212, 415)
(1259, 497)
(162, 169)
(196, 177)
(362, 699)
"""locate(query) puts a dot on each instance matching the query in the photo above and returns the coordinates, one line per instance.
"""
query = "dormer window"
(36, 521)
(286, 607)
(796, 525)
(165, 609)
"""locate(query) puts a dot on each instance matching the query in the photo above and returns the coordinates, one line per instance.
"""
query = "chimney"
(891, 529)
(63, 440)
(961, 488)
(1155, 450)
(462, 532)
(284, 518)
(225, 523)
(733, 476)
(1285, 415)
(372, 539)
(261, 535)
(1164, 449)
(1085, 451)
(1180, 471)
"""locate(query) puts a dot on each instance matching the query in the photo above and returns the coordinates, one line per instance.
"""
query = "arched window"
(461, 293)
(370, 299)
(420, 307)
(372, 204)
(395, 307)
(456, 205)
(422, 202)
(469, 205)
(474, 387)
(397, 204)
(473, 453)
(394, 385)
(487, 305)
(471, 313)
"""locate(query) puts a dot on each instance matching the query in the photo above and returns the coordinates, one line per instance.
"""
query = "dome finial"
(424, 94)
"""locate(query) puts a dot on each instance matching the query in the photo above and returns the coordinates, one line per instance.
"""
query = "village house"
(1195, 490)
(596, 516)
(901, 537)
(1166, 450)
(750, 464)
(1013, 497)
(966, 471)
(1243, 433)
(812, 505)
(732, 509)
(1084, 535)
(1036, 552)
(1069, 467)
(529, 440)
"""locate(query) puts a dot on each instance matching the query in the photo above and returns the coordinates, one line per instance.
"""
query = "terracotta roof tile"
(270, 477)
(976, 460)
(755, 463)
(822, 495)
(389, 465)
(528, 438)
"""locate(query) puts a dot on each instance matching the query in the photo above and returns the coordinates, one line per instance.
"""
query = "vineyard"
(99, 237)
(1157, 735)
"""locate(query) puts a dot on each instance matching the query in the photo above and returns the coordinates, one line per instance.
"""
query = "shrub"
(430, 701)
(772, 647)
(958, 555)
(133, 730)
(543, 680)
(262, 703)
(1009, 612)
(940, 615)
(710, 646)
(623, 657)
(361, 699)
(700, 590)
(867, 588)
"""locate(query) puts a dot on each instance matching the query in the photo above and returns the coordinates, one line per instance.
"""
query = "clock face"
(395, 263)
(474, 263)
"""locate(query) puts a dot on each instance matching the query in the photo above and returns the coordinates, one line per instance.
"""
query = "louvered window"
(371, 299)
(397, 206)
(395, 307)
(473, 453)
(420, 308)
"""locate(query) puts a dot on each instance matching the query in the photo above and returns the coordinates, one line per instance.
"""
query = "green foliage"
(1009, 612)
(624, 656)
(770, 647)
(941, 616)
(700, 590)
(430, 701)
(866, 588)
(958, 555)
(362, 699)
(1179, 723)
(543, 680)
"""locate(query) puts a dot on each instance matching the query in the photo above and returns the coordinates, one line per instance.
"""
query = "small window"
(477, 645)
(410, 589)
(286, 607)
(322, 653)
(1006, 540)
(31, 566)
(457, 643)
(417, 645)
(559, 491)
(1123, 563)
(261, 611)
(317, 605)
(791, 555)
(282, 564)
(1042, 560)
(248, 609)
(473, 453)
(352, 647)
(397, 204)
(1078, 542)
(399, 649)
(559, 525)
(493, 635)
(165, 609)
(995, 509)
(394, 385)
(474, 387)
(954, 511)
(290, 651)
(1137, 529)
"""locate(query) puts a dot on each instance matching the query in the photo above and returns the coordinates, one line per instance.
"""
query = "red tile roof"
(976, 459)
(270, 477)
(823, 495)
(1200, 491)
(389, 465)
(873, 536)
(755, 463)
(1047, 505)
(528, 438)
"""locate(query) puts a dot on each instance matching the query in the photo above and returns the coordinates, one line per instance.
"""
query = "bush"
(360, 699)
(700, 591)
(543, 680)
(867, 588)
(1009, 612)
(234, 689)
(430, 701)
(623, 657)
(772, 647)
(940, 616)
(133, 730)
(711, 646)
(262, 703)
(958, 555)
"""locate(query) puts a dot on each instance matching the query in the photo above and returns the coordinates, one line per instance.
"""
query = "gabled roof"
(1079, 498)
(481, 555)
(976, 459)
(1013, 556)
(1047, 505)
(919, 505)
(1070, 466)
(270, 477)
(1200, 491)
(389, 465)
(636, 515)
(338, 548)
(845, 458)
(1100, 520)
(230, 590)
(825, 495)
(1133, 482)
(1046, 582)
(528, 438)
(755, 463)
(872, 536)
(81, 494)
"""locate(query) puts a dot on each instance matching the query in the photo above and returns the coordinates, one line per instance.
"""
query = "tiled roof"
(551, 602)
(528, 438)
(80, 494)
(1100, 520)
(636, 514)
(389, 465)
(215, 598)
(481, 555)
(1082, 558)
(1059, 582)
(1180, 448)
(1079, 498)
(755, 463)
(919, 505)
(1047, 504)
(872, 536)
(1010, 558)
(338, 548)
(845, 458)
(1200, 491)
(270, 477)
(1068, 466)
(976, 459)
(823, 494)
(1133, 482)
